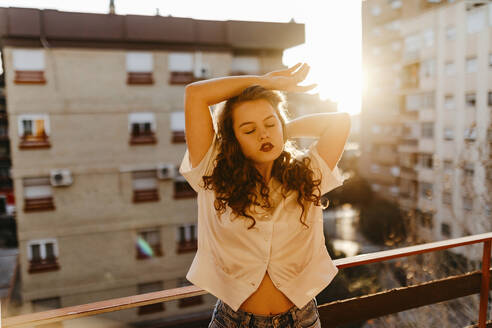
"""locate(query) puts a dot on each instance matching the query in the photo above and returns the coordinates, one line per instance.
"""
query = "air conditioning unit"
(60, 177)
(166, 171)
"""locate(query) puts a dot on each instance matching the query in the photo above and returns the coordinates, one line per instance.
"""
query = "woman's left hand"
(288, 79)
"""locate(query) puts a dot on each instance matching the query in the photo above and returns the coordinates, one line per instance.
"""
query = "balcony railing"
(332, 314)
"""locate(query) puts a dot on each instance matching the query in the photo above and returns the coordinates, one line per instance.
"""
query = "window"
(471, 65)
(375, 168)
(245, 65)
(376, 129)
(396, 45)
(142, 128)
(202, 67)
(490, 15)
(45, 304)
(375, 10)
(445, 229)
(426, 160)
(145, 186)
(426, 190)
(426, 220)
(148, 244)
(451, 33)
(376, 31)
(490, 58)
(427, 129)
(178, 127)
(449, 102)
(182, 188)
(412, 102)
(475, 22)
(394, 25)
(450, 69)
(470, 134)
(3, 205)
(488, 209)
(448, 133)
(411, 74)
(180, 66)
(427, 68)
(139, 67)
(375, 187)
(412, 43)
(150, 287)
(42, 255)
(467, 204)
(428, 99)
(33, 131)
(447, 198)
(37, 194)
(489, 98)
(396, 4)
(186, 238)
(29, 66)
(469, 169)
(409, 131)
(428, 37)
(471, 99)
(189, 301)
(448, 166)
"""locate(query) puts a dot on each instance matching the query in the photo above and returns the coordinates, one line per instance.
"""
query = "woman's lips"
(266, 147)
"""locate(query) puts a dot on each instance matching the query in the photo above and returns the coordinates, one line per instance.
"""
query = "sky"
(333, 33)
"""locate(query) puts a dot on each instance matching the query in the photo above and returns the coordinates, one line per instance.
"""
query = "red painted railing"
(189, 291)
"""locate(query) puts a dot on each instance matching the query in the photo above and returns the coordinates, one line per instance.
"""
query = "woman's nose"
(263, 133)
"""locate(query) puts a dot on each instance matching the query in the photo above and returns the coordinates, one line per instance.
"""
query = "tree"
(381, 222)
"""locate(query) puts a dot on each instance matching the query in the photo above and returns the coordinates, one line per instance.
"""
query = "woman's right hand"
(288, 79)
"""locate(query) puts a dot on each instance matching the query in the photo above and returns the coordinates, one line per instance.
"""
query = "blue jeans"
(225, 317)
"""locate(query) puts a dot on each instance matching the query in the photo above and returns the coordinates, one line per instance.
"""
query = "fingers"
(305, 88)
(293, 68)
(301, 74)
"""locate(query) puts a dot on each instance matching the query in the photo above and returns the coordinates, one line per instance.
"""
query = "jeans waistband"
(277, 320)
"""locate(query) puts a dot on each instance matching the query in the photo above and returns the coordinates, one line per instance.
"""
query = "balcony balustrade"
(332, 314)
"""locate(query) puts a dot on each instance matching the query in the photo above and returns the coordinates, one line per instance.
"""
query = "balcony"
(410, 76)
(332, 314)
(408, 146)
(385, 157)
(408, 173)
(426, 145)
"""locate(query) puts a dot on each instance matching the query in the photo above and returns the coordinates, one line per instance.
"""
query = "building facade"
(95, 105)
(426, 118)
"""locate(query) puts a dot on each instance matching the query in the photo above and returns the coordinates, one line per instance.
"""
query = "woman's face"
(258, 130)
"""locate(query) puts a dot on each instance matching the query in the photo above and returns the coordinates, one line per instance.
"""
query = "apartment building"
(95, 105)
(426, 120)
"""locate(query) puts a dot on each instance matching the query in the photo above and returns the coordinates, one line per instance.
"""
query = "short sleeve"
(194, 175)
(329, 179)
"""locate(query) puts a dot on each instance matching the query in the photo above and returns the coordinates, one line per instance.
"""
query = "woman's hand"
(288, 79)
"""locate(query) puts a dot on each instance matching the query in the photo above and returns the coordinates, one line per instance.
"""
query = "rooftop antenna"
(111, 7)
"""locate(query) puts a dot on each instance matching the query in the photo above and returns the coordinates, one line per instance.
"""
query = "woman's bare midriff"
(267, 299)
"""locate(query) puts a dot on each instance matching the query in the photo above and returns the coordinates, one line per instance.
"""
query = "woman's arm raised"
(332, 129)
(200, 95)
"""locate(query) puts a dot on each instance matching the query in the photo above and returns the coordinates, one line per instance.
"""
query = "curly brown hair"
(235, 178)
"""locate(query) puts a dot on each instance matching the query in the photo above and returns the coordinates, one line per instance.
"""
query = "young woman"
(261, 248)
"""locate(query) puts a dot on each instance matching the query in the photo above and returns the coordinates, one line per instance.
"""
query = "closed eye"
(249, 132)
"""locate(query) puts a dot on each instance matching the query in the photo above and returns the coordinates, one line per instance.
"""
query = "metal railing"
(334, 313)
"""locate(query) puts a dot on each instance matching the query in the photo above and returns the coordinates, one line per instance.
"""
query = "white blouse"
(231, 260)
